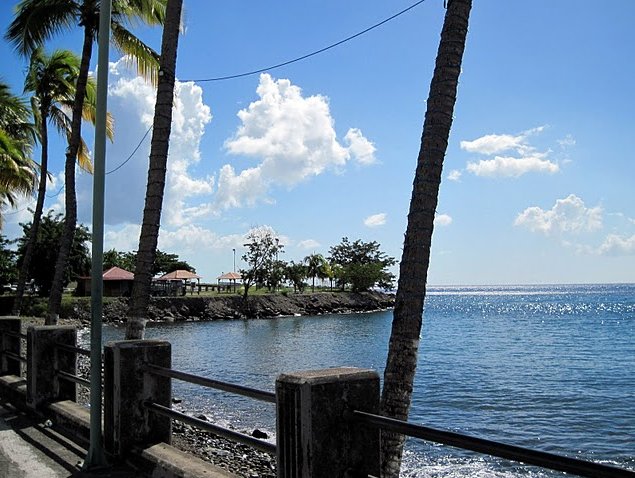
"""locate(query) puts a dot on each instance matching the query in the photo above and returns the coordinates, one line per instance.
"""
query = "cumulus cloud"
(131, 101)
(568, 215)
(616, 245)
(293, 138)
(512, 167)
(521, 157)
(375, 220)
(442, 220)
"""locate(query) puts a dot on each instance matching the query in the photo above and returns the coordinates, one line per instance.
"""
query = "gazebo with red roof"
(117, 282)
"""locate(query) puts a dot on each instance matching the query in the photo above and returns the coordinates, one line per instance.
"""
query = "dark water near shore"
(546, 367)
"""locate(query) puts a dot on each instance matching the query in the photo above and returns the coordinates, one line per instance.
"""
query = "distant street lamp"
(234, 259)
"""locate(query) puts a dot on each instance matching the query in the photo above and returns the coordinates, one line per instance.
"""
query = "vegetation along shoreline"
(218, 307)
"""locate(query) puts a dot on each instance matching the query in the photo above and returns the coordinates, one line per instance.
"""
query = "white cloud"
(362, 150)
(525, 160)
(567, 142)
(455, 175)
(442, 220)
(375, 220)
(616, 245)
(493, 143)
(568, 215)
(131, 101)
(308, 244)
(292, 136)
(513, 167)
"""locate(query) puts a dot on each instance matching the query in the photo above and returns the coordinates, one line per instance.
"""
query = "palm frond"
(144, 58)
(38, 20)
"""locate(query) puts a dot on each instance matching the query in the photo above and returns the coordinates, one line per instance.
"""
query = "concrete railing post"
(315, 439)
(127, 423)
(44, 360)
(8, 365)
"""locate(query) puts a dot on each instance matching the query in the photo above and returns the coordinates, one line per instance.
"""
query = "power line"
(133, 152)
(308, 55)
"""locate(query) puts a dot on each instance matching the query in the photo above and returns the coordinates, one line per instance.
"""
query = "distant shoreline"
(225, 306)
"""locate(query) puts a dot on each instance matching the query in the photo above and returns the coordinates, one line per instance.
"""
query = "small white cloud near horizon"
(521, 157)
(308, 244)
(455, 175)
(375, 220)
(616, 245)
(442, 220)
(568, 215)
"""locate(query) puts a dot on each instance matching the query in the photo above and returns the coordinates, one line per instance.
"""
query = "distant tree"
(275, 275)
(315, 265)
(262, 251)
(296, 273)
(163, 263)
(45, 252)
(8, 265)
(363, 265)
(123, 260)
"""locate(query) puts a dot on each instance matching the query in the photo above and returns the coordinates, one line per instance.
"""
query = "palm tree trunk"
(70, 222)
(140, 296)
(37, 215)
(407, 320)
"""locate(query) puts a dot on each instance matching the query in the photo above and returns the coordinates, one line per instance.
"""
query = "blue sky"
(537, 184)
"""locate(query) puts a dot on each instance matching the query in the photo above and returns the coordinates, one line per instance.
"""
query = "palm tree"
(35, 22)
(17, 135)
(51, 80)
(411, 290)
(140, 297)
(315, 265)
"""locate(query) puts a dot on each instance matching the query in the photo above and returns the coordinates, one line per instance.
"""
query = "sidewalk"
(30, 449)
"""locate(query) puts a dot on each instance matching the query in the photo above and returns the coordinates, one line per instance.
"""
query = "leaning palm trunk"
(70, 222)
(39, 206)
(411, 289)
(148, 239)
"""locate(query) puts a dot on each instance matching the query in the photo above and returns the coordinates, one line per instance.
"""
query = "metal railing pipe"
(70, 348)
(10, 333)
(210, 427)
(210, 383)
(73, 378)
(501, 450)
(14, 356)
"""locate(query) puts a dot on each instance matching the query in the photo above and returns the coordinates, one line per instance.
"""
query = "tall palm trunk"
(148, 239)
(37, 215)
(413, 271)
(70, 222)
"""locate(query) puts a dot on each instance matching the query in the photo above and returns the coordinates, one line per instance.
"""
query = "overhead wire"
(308, 55)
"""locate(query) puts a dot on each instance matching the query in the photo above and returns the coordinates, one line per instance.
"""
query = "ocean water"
(546, 367)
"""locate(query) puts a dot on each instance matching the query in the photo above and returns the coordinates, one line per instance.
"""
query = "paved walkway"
(29, 449)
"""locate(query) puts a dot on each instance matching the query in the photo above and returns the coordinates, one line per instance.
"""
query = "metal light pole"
(234, 259)
(95, 457)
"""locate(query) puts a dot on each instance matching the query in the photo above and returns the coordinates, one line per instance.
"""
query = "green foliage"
(8, 266)
(361, 265)
(262, 253)
(163, 263)
(296, 273)
(123, 260)
(41, 269)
